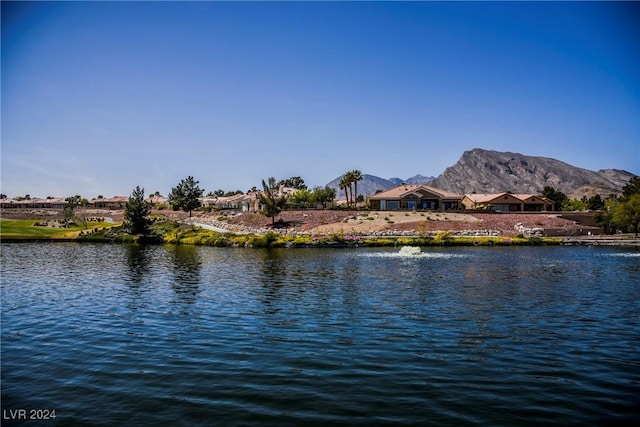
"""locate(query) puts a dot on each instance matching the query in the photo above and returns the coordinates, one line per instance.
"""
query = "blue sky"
(98, 97)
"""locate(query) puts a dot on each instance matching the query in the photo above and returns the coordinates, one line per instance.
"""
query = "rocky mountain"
(369, 185)
(419, 179)
(486, 171)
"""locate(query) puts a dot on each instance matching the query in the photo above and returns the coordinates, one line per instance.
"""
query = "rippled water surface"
(135, 335)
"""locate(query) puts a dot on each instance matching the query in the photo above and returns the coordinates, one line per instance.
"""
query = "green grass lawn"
(26, 229)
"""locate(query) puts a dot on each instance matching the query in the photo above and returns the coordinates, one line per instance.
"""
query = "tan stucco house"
(414, 197)
(507, 202)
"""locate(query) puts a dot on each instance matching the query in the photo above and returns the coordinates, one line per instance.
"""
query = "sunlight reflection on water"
(193, 336)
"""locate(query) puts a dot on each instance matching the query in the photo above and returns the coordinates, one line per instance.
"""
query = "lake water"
(160, 335)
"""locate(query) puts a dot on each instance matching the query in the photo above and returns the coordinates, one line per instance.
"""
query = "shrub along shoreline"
(171, 232)
(165, 231)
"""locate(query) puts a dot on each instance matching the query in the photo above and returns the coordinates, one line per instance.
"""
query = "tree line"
(616, 213)
(186, 197)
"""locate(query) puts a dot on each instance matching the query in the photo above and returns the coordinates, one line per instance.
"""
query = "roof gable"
(419, 190)
(493, 198)
(531, 198)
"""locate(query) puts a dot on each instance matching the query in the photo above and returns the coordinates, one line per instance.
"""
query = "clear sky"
(98, 97)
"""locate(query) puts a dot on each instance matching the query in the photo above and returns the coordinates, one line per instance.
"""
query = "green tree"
(573, 205)
(136, 213)
(632, 187)
(185, 195)
(293, 182)
(271, 201)
(72, 203)
(626, 213)
(346, 183)
(343, 184)
(322, 195)
(356, 176)
(302, 197)
(595, 203)
(556, 195)
(349, 183)
(605, 220)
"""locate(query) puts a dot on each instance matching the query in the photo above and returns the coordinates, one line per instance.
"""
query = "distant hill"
(486, 171)
(419, 179)
(369, 185)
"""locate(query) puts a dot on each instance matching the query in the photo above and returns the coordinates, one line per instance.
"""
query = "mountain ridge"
(488, 171)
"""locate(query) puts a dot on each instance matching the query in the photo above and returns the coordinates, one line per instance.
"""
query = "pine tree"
(185, 195)
(630, 188)
(136, 213)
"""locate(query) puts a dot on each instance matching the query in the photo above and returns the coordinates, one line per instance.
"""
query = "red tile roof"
(405, 189)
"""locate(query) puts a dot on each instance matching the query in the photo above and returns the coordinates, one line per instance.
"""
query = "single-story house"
(507, 202)
(248, 202)
(208, 202)
(49, 203)
(414, 196)
(117, 202)
(158, 200)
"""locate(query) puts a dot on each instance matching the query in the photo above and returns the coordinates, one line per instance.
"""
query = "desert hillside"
(486, 171)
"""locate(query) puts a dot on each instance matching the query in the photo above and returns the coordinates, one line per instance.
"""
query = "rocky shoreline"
(363, 225)
(355, 227)
(617, 240)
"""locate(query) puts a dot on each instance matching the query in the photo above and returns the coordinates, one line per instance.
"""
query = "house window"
(428, 204)
(383, 205)
(411, 204)
(393, 205)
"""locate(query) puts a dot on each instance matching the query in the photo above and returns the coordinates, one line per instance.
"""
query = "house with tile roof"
(247, 202)
(157, 200)
(414, 197)
(116, 202)
(507, 202)
(36, 203)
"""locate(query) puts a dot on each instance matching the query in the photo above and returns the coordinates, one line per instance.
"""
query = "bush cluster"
(170, 232)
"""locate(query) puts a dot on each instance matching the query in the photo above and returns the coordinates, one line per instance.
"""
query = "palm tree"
(356, 176)
(343, 187)
(345, 184)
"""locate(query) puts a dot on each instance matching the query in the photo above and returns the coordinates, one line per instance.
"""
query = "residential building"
(116, 202)
(414, 197)
(49, 203)
(248, 202)
(507, 202)
(157, 200)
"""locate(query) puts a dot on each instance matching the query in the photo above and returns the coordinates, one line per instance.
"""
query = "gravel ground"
(357, 222)
(364, 222)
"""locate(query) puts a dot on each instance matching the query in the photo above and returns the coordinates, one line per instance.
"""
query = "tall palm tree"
(356, 176)
(344, 185)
